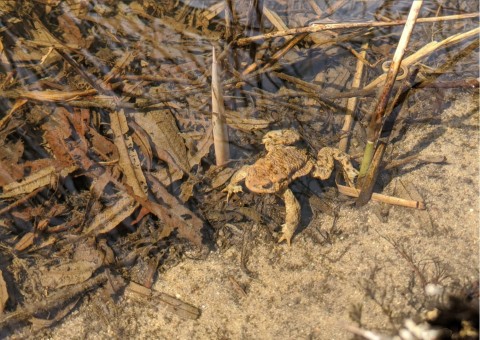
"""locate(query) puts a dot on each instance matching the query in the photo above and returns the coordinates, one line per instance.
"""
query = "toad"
(283, 163)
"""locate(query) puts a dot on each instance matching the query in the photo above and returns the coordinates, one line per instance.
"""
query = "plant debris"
(107, 161)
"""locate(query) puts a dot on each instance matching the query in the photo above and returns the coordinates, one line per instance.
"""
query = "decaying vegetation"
(107, 166)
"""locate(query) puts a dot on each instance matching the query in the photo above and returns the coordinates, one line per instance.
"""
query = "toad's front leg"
(292, 216)
(237, 177)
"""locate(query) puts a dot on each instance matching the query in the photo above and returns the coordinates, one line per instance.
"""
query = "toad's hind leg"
(292, 216)
(325, 164)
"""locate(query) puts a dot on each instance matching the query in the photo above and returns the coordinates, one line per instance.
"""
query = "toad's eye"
(267, 185)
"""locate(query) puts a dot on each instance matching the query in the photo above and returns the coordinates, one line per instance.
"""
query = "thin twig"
(326, 27)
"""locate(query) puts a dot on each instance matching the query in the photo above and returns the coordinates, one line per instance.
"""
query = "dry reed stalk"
(318, 11)
(229, 20)
(325, 27)
(352, 102)
(376, 122)
(220, 131)
(353, 192)
(425, 51)
(379, 112)
(276, 57)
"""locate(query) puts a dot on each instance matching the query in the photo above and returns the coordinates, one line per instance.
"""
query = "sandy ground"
(369, 272)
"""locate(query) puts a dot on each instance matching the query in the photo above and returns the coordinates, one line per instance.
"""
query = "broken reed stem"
(276, 56)
(220, 131)
(284, 50)
(352, 192)
(318, 11)
(248, 72)
(376, 122)
(325, 27)
(352, 102)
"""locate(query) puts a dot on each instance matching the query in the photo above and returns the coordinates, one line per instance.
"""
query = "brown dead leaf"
(67, 274)
(66, 146)
(241, 121)
(176, 216)
(39, 164)
(102, 146)
(109, 218)
(80, 120)
(86, 260)
(221, 177)
(165, 136)
(187, 228)
(166, 177)
(203, 147)
(186, 189)
(128, 157)
(10, 154)
(100, 181)
(57, 146)
(153, 298)
(8, 176)
(56, 131)
(44, 177)
(70, 31)
(140, 137)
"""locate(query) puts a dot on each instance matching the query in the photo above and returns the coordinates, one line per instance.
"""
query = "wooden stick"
(325, 27)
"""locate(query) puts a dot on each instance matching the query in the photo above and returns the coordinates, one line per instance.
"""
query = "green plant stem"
(367, 158)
